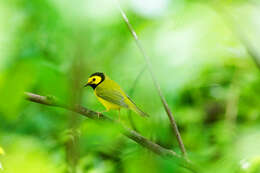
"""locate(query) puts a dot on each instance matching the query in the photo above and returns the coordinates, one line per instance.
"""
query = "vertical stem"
(76, 76)
(131, 93)
(155, 82)
(236, 28)
(72, 143)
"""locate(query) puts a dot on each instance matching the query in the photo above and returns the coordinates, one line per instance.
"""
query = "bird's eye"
(93, 79)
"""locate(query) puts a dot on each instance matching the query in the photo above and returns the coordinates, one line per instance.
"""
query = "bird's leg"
(98, 113)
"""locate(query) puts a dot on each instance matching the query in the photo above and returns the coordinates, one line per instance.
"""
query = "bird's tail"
(134, 108)
(140, 112)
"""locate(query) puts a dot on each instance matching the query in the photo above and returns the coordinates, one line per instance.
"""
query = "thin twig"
(236, 28)
(146, 143)
(150, 68)
(131, 93)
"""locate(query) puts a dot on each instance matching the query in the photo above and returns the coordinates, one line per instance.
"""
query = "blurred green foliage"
(210, 82)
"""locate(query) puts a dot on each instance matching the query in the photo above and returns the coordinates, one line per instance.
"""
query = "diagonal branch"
(155, 82)
(146, 143)
(131, 93)
(51, 101)
(236, 28)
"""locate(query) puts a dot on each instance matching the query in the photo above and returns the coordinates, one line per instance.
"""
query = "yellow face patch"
(94, 80)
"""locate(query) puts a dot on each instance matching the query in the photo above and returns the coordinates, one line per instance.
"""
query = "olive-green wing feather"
(112, 96)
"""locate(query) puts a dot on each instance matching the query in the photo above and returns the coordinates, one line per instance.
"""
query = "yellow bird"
(109, 93)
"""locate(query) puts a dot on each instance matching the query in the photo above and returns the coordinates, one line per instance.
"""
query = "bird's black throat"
(93, 85)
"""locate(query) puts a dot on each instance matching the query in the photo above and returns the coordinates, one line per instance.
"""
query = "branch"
(131, 93)
(236, 28)
(146, 143)
(155, 82)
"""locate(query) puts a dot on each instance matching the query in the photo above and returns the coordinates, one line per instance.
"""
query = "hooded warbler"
(110, 94)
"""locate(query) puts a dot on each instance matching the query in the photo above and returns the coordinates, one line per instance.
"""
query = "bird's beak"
(86, 85)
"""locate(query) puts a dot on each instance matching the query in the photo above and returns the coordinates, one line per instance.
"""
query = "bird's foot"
(98, 114)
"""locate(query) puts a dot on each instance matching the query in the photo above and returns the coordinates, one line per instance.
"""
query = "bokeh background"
(204, 55)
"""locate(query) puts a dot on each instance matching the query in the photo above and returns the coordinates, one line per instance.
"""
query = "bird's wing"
(111, 95)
